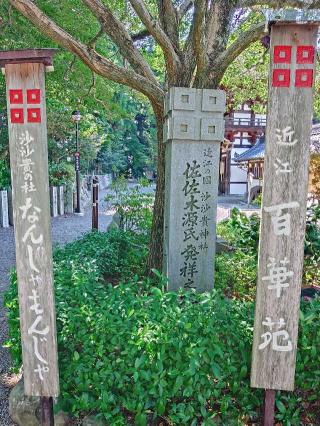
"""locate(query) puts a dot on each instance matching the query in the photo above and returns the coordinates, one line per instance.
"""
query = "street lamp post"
(76, 116)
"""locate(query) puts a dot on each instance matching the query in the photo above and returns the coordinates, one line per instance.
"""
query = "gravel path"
(64, 230)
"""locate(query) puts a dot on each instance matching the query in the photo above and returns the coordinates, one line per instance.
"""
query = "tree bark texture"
(156, 244)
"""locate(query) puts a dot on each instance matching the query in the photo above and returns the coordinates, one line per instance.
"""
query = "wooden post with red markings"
(25, 80)
(281, 250)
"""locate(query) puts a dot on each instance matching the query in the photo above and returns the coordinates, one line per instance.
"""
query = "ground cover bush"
(117, 254)
(134, 205)
(312, 247)
(134, 354)
(241, 231)
(236, 272)
(4, 174)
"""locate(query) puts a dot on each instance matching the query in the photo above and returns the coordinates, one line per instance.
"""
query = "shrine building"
(242, 128)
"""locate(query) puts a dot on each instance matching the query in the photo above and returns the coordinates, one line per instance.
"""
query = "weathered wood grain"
(273, 363)
(33, 235)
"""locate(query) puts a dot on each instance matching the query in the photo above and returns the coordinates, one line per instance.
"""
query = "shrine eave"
(44, 56)
(255, 153)
(293, 16)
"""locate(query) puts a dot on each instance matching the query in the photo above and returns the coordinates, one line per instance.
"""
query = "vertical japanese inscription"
(196, 216)
(284, 206)
(190, 219)
(29, 168)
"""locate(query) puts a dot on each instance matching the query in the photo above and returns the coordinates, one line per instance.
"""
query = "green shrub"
(133, 351)
(117, 254)
(258, 200)
(240, 230)
(236, 274)
(136, 349)
(4, 174)
(61, 173)
(312, 247)
(133, 206)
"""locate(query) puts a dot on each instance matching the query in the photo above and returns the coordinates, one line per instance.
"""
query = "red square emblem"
(304, 78)
(33, 96)
(34, 115)
(281, 78)
(16, 115)
(305, 55)
(16, 96)
(282, 54)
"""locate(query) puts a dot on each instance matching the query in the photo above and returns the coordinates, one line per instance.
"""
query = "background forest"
(118, 131)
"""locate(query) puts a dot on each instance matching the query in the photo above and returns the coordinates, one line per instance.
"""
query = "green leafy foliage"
(257, 200)
(4, 174)
(134, 205)
(61, 173)
(237, 271)
(236, 274)
(246, 79)
(241, 231)
(132, 350)
(117, 254)
(129, 145)
(312, 246)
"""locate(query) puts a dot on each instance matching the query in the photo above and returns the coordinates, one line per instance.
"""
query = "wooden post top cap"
(44, 56)
(292, 16)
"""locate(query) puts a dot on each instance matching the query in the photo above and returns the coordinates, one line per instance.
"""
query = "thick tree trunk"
(156, 244)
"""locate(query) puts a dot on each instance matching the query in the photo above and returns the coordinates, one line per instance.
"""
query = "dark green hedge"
(132, 351)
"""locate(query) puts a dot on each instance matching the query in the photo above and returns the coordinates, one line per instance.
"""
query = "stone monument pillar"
(60, 200)
(194, 129)
(68, 202)
(54, 201)
(4, 209)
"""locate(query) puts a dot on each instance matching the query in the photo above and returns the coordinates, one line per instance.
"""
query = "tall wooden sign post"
(25, 80)
(293, 56)
(194, 129)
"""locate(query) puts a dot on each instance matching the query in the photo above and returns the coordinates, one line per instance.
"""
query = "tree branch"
(184, 8)
(91, 58)
(278, 4)
(120, 36)
(93, 41)
(153, 26)
(199, 21)
(218, 26)
(141, 35)
(169, 20)
(238, 46)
